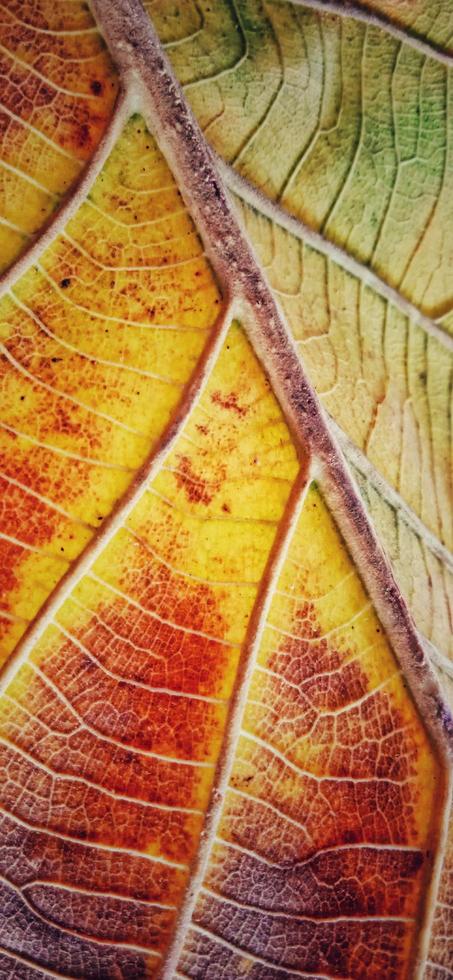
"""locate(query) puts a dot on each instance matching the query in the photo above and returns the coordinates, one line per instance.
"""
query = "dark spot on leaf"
(83, 135)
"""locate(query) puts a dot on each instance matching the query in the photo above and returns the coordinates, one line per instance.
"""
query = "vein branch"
(396, 501)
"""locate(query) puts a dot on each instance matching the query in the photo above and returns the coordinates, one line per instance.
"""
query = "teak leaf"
(225, 750)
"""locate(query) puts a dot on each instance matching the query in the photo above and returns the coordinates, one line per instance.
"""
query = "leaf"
(224, 751)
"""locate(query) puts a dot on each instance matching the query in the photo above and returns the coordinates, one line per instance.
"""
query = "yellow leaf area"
(338, 121)
(98, 341)
(319, 861)
(58, 86)
(111, 730)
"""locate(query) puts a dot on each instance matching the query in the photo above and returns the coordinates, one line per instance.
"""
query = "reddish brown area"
(83, 812)
(185, 608)
(74, 123)
(12, 556)
(325, 682)
(53, 732)
(25, 517)
(134, 645)
(334, 812)
(230, 402)
(27, 855)
(332, 844)
(197, 489)
(172, 726)
(100, 756)
(369, 742)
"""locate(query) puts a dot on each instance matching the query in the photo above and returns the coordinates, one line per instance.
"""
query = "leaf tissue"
(226, 314)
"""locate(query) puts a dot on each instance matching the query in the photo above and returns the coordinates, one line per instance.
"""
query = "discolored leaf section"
(58, 89)
(111, 730)
(320, 861)
(99, 340)
(344, 125)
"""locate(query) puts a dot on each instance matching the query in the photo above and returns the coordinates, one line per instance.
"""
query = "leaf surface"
(223, 749)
